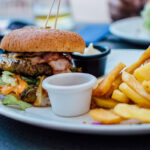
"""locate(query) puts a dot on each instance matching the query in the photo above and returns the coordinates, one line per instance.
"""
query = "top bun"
(31, 39)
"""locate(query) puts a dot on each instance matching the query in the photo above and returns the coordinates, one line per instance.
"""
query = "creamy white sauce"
(90, 50)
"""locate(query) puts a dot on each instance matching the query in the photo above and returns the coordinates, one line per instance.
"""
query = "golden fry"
(131, 69)
(143, 73)
(117, 82)
(135, 97)
(135, 85)
(146, 85)
(99, 80)
(140, 61)
(106, 84)
(105, 116)
(114, 86)
(119, 96)
(109, 93)
(133, 112)
(105, 103)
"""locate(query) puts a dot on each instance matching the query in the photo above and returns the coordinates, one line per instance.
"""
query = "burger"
(32, 54)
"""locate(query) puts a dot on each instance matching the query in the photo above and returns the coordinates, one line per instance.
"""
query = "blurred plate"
(131, 30)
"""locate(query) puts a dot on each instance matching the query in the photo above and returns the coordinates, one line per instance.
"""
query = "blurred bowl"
(93, 64)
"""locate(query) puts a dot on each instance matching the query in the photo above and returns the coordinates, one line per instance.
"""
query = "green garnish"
(12, 100)
(7, 78)
(31, 81)
(8, 73)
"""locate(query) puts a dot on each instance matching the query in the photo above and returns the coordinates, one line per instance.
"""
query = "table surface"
(19, 136)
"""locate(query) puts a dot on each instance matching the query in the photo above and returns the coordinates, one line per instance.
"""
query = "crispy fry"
(115, 86)
(135, 97)
(133, 112)
(105, 116)
(109, 93)
(146, 85)
(140, 61)
(105, 103)
(120, 87)
(117, 82)
(120, 96)
(99, 80)
(143, 73)
(132, 68)
(135, 85)
(105, 85)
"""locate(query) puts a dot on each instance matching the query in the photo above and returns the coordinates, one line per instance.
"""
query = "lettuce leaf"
(12, 100)
(7, 78)
(8, 73)
(2, 83)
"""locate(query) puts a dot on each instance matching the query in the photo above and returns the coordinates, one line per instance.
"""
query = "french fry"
(93, 104)
(114, 86)
(143, 73)
(99, 80)
(105, 103)
(130, 69)
(105, 85)
(146, 85)
(117, 82)
(105, 116)
(133, 112)
(135, 97)
(120, 96)
(140, 61)
(135, 85)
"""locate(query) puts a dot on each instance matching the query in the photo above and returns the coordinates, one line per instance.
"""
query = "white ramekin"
(70, 93)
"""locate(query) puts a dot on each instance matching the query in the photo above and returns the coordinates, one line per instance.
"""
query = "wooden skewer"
(50, 11)
(57, 14)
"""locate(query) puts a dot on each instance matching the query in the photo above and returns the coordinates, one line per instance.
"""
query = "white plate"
(131, 30)
(43, 117)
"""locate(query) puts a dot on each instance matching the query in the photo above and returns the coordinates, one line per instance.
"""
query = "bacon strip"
(59, 63)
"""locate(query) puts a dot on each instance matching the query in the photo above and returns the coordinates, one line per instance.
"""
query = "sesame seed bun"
(31, 39)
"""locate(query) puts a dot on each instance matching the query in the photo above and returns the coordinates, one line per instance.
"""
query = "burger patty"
(24, 66)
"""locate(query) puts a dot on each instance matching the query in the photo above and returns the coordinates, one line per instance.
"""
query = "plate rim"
(78, 128)
(113, 30)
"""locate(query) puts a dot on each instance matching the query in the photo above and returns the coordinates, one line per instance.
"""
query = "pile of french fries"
(124, 94)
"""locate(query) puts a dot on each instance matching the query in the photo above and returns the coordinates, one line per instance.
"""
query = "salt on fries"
(124, 94)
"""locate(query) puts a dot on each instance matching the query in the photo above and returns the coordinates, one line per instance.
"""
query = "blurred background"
(73, 14)
(71, 11)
